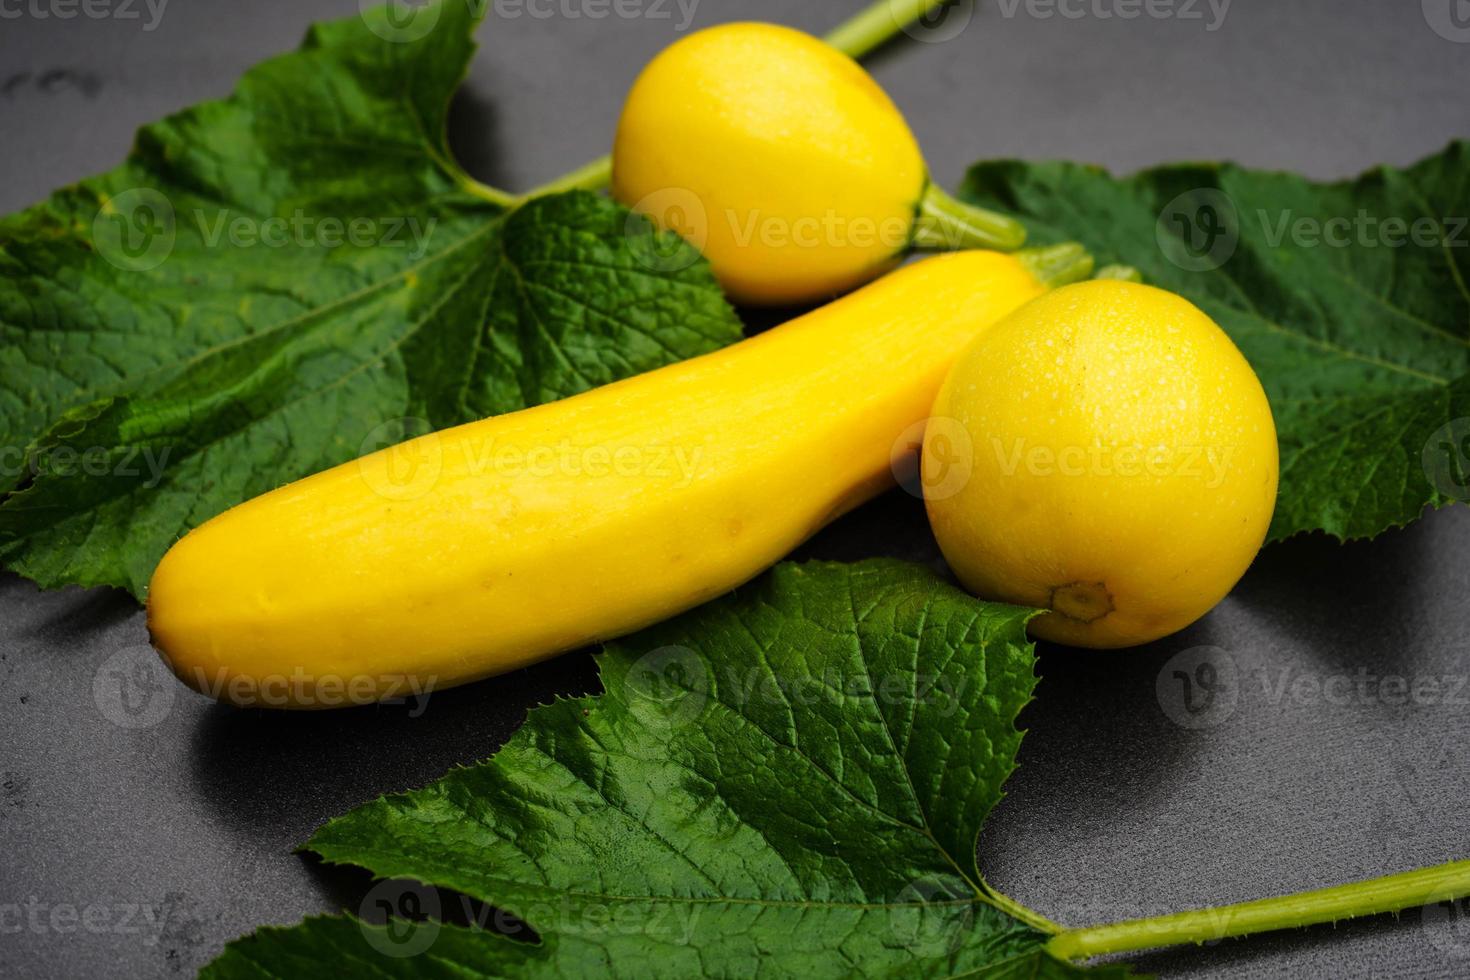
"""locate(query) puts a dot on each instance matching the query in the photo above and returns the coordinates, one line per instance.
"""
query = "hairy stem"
(1016, 910)
(1393, 893)
(868, 30)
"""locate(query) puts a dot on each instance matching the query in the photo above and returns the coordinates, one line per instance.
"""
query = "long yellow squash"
(483, 548)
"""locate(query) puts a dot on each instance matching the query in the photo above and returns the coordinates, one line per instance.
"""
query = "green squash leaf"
(787, 781)
(274, 284)
(1350, 299)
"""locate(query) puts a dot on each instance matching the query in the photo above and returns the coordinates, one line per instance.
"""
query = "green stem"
(1124, 272)
(1390, 894)
(1016, 910)
(858, 36)
(945, 224)
(467, 183)
(1057, 265)
(877, 24)
(487, 193)
(592, 177)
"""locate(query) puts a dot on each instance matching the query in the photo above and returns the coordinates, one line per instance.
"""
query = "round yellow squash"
(1105, 453)
(785, 163)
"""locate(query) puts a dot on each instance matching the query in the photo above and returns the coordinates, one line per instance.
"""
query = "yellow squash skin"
(774, 153)
(1112, 457)
(486, 547)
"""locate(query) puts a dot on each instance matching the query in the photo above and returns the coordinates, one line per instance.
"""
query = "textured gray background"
(1117, 811)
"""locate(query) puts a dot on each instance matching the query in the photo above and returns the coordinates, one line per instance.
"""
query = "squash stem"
(1126, 273)
(1393, 893)
(876, 25)
(591, 177)
(468, 184)
(868, 30)
(1057, 265)
(485, 192)
(945, 224)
